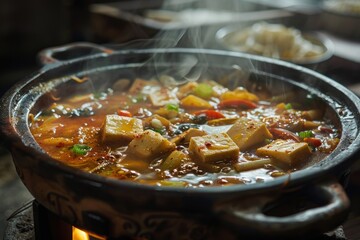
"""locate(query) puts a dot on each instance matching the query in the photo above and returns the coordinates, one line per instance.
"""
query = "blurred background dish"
(276, 41)
(341, 18)
(349, 7)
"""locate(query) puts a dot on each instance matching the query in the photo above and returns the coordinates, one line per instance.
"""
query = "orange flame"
(78, 234)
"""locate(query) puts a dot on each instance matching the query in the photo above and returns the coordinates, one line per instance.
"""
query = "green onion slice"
(288, 106)
(172, 107)
(306, 134)
(80, 149)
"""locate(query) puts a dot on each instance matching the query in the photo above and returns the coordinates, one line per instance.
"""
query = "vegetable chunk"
(192, 101)
(288, 152)
(120, 130)
(174, 160)
(150, 144)
(238, 94)
(212, 148)
(247, 133)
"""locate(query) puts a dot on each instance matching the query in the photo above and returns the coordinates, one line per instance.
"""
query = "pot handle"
(250, 214)
(70, 51)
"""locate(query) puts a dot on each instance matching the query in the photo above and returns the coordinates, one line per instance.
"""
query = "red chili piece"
(237, 103)
(326, 130)
(210, 114)
(315, 142)
(124, 113)
(284, 134)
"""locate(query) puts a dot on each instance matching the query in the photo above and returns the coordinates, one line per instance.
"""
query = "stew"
(192, 135)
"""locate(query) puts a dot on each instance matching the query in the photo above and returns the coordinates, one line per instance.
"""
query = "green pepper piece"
(203, 90)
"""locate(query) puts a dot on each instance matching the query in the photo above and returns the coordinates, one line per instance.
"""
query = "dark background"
(26, 27)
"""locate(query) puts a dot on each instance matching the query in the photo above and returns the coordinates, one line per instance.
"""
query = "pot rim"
(16, 142)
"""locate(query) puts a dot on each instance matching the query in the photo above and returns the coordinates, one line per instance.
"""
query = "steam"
(188, 27)
(189, 24)
(193, 24)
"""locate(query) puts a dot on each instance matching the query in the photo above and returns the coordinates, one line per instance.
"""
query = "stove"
(34, 222)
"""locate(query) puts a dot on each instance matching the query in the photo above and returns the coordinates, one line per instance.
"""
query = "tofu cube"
(143, 86)
(213, 148)
(120, 130)
(162, 96)
(150, 144)
(288, 152)
(247, 133)
(186, 89)
(187, 135)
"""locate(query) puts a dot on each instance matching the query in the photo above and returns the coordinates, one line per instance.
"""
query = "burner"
(34, 222)
(21, 224)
